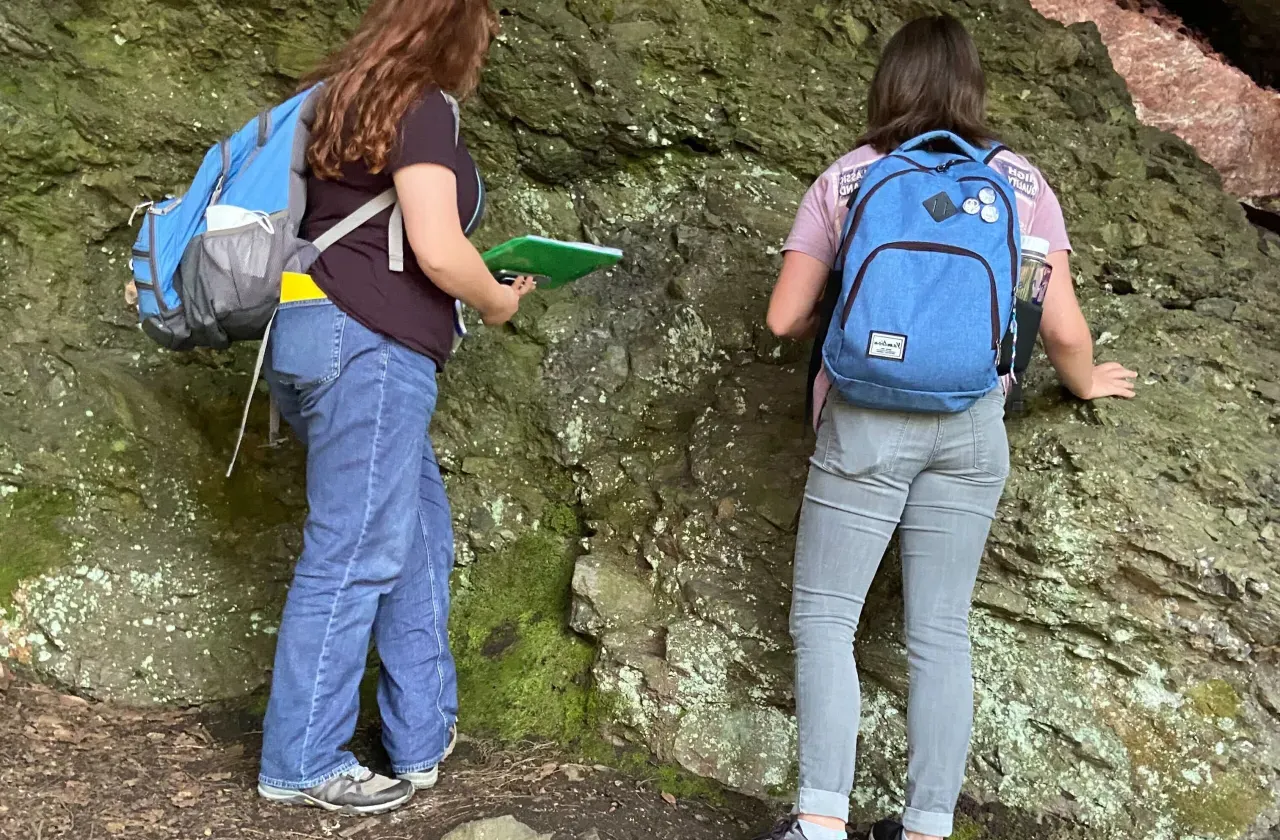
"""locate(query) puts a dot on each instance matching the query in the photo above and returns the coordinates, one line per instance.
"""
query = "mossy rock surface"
(627, 458)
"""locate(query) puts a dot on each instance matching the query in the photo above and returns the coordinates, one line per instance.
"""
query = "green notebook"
(558, 262)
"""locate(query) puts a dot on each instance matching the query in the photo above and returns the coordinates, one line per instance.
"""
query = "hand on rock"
(1111, 379)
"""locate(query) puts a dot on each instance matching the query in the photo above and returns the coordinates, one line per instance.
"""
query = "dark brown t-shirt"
(354, 272)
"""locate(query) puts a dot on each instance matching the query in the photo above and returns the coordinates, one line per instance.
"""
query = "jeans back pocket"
(858, 442)
(990, 442)
(306, 343)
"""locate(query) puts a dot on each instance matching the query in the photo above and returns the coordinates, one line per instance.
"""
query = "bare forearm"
(1074, 363)
(458, 269)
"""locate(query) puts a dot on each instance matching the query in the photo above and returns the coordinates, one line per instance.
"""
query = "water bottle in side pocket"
(1033, 283)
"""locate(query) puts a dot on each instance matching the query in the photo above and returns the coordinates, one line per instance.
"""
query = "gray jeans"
(938, 477)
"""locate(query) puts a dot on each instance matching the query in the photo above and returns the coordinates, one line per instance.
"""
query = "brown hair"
(400, 47)
(929, 79)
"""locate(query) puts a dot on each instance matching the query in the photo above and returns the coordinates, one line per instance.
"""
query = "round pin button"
(990, 214)
(987, 195)
(971, 206)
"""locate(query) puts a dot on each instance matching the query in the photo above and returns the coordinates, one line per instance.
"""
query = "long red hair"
(400, 47)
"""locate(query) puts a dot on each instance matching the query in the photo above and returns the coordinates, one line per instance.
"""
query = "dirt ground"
(74, 769)
(70, 768)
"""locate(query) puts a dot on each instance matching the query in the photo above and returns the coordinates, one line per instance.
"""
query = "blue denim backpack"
(926, 271)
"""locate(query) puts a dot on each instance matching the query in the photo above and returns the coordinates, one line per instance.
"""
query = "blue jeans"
(376, 557)
(937, 478)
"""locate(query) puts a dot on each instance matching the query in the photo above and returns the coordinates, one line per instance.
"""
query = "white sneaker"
(357, 791)
(426, 779)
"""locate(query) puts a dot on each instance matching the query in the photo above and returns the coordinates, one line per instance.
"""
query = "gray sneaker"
(787, 828)
(357, 791)
(426, 779)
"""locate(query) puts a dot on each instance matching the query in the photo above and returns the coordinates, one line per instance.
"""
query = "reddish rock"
(1179, 86)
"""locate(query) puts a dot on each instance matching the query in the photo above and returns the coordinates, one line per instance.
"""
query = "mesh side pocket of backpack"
(231, 280)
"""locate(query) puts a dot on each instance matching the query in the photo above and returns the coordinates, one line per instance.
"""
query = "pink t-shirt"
(820, 219)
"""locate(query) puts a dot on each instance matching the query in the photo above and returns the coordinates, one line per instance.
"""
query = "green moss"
(1215, 698)
(521, 671)
(967, 829)
(30, 539)
(1224, 807)
(560, 519)
(666, 778)
(1207, 803)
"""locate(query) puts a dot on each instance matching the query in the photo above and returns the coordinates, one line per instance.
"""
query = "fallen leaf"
(357, 828)
(185, 798)
(218, 777)
(542, 772)
(155, 736)
(115, 827)
(574, 772)
(668, 798)
(72, 701)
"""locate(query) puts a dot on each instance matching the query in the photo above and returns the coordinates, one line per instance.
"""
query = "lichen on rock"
(625, 462)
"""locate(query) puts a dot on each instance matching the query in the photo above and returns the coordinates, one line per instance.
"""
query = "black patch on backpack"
(940, 206)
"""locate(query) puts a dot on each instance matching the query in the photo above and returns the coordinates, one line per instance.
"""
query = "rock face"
(1226, 116)
(639, 437)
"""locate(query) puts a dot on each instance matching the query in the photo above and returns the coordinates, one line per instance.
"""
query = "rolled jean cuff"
(928, 822)
(314, 781)
(823, 803)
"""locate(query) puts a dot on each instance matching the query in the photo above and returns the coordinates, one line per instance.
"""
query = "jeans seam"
(335, 362)
(435, 623)
(355, 553)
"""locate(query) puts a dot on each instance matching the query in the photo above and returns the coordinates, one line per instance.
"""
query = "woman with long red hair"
(352, 363)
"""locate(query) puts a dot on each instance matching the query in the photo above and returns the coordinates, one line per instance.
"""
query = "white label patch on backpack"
(890, 346)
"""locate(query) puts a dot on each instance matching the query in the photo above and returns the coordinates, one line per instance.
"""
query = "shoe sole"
(298, 797)
(431, 778)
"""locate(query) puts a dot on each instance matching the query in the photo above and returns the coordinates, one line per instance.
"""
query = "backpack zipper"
(927, 246)
(857, 212)
(862, 206)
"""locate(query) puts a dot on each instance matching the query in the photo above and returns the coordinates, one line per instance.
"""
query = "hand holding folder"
(552, 262)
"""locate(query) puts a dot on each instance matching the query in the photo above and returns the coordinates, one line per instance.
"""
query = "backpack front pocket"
(929, 325)
(230, 281)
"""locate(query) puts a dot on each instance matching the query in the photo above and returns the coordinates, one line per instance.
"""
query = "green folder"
(554, 261)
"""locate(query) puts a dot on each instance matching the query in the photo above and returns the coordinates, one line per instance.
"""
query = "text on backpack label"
(892, 346)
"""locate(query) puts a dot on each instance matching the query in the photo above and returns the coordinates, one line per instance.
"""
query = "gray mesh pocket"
(230, 281)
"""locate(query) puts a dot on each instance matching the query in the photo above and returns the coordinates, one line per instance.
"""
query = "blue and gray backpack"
(922, 291)
(207, 264)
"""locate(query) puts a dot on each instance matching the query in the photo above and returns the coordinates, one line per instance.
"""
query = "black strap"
(826, 312)
(995, 150)
(264, 128)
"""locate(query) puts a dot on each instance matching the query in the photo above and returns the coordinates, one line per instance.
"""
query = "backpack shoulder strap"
(995, 150)
(827, 310)
(362, 214)
(395, 227)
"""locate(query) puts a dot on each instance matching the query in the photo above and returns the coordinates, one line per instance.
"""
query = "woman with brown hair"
(937, 477)
(352, 362)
